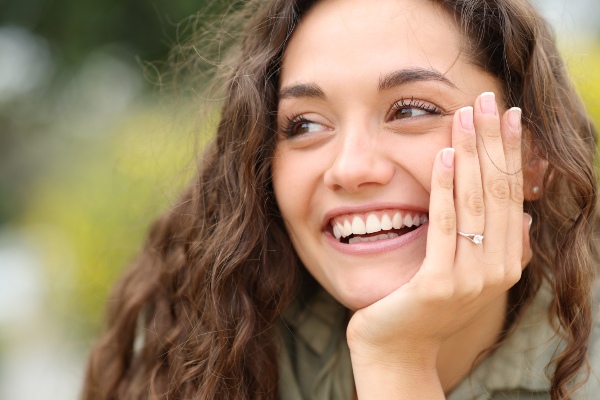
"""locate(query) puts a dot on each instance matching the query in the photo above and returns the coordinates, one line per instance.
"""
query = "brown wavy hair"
(194, 315)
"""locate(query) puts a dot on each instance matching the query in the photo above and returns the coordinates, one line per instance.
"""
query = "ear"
(534, 170)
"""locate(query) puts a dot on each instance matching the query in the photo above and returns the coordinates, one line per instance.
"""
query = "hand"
(477, 187)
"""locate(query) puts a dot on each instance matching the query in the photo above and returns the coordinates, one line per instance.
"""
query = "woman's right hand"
(477, 187)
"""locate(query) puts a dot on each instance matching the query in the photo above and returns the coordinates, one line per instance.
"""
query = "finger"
(496, 191)
(441, 234)
(511, 139)
(468, 189)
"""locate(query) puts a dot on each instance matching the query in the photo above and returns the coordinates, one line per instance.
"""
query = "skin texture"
(426, 307)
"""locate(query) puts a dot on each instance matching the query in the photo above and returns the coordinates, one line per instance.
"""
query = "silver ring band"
(477, 239)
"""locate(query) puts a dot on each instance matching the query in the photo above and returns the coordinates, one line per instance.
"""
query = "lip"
(380, 246)
(365, 208)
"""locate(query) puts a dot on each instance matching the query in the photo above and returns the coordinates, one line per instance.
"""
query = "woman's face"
(367, 94)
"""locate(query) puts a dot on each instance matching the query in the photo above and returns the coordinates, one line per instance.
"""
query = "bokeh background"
(92, 148)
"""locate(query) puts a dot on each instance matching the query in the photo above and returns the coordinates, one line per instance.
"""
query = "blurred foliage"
(91, 212)
(585, 71)
(74, 27)
(46, 43)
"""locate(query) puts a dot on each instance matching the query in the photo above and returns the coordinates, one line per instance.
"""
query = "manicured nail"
(514, 118)
(466, 118)
(488, 103)
(448, 157)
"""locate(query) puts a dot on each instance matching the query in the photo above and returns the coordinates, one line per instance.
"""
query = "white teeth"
(386, 222)
(416, 220)
(356, 239)
(347, 229)
(373, 224)
(336, 231)
(397, 221)
(383, 236)
(358, 226)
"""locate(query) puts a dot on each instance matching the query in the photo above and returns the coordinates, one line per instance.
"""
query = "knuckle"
(499, 189)
(513, 274)
(446, 184)
(516, 192)
(470, 287)
(473, 289)
(492, 134)
(496, 275)
(440, 292)
(446, 221)
(474, 202)
(513, 145)
(469, 146)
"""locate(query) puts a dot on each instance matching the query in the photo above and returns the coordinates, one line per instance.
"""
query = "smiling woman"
(398, 203)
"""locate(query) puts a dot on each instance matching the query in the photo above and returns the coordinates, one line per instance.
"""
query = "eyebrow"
(310, 90)
(386, 82)
(404, 76)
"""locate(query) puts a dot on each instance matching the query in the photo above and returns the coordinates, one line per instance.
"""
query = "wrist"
(406, 378)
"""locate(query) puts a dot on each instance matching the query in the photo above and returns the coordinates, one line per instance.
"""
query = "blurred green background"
(91, 150)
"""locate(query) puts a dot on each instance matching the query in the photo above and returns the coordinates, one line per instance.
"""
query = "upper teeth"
(346, 225)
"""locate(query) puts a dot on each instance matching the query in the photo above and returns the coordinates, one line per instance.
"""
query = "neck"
(466, 348)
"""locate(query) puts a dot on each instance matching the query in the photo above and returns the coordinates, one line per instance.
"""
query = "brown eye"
(302, 126)
(408, 112)
(306, 127)
(411, 108)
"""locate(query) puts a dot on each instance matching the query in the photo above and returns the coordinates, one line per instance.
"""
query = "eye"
(301, 125)
(412, 108)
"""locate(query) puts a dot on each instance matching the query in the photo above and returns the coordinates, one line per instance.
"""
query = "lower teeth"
(383, 236)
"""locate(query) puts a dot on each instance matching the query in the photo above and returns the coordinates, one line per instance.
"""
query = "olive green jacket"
(315, 360)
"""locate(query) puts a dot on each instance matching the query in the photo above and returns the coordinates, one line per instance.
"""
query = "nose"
(359, 162)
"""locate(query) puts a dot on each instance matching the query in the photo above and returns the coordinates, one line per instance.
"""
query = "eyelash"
(292, 122)
(413, 103)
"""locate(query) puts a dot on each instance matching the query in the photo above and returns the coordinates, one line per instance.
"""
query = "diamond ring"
(477, 239)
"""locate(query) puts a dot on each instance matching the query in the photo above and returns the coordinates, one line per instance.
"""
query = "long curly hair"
(194, 315)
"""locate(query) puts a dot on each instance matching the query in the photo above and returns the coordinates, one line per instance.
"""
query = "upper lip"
(365, 208)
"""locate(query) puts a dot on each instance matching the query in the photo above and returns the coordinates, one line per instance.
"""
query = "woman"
(357, 228)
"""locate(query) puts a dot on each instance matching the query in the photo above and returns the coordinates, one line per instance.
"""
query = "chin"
(362, 293)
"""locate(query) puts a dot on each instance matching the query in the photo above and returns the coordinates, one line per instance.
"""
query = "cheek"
(293, 177)
(416, 156)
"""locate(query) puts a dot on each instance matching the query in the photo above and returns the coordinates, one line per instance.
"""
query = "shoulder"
(518, 369)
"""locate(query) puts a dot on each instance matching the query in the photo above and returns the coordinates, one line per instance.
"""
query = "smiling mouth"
(375, 226)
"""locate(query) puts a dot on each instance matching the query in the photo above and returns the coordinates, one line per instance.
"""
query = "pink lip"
(378, 246)
(366, 208)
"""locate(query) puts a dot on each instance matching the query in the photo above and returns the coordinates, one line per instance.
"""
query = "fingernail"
(448, 157)
(530, 219)
(514, 118)
(488, 103)
(466, 118)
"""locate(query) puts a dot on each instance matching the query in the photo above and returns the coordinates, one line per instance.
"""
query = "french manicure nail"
(514, 117)
(466, 118)
(448, 157)
(488, 103)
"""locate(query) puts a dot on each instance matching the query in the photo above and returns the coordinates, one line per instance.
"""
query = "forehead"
(348, 39)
